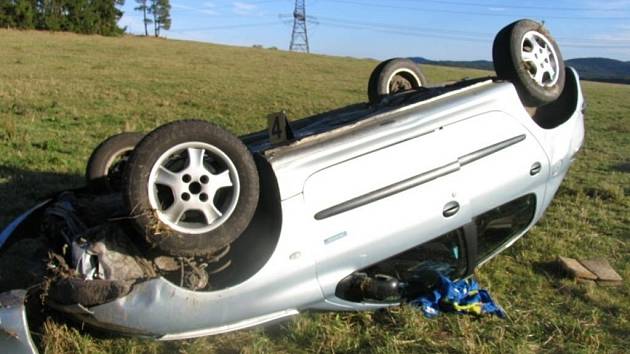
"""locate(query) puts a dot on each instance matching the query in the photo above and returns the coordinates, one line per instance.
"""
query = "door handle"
(535, 169)
(450, 209)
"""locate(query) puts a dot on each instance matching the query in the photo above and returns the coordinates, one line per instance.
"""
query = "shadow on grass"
(622, 167)
(549, 269)
(579, 291)
(21, 189)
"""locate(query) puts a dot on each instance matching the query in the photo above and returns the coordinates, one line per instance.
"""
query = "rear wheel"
(393, 76)
(191, 188)
(525, 54)
(108, 161)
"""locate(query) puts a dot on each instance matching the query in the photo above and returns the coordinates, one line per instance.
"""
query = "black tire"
(107, 163)
(372, 95)
(509, 49)
(393, 76)
(188, 229)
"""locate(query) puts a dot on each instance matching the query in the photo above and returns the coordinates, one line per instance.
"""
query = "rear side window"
(415, 268)
(498, 226)
(444, 254)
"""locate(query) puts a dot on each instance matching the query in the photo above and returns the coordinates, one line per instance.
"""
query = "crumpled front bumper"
(15, 336)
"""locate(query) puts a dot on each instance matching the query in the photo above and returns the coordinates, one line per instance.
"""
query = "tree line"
(81, 16)
(156, 13)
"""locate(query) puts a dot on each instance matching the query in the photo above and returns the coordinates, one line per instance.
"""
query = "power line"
(408, 8)
(415, 28)
(524, 7)
(403, 32)
(212, 28)
(300, 37)
(219, 7)
(419, 32)
(445, 35)
(437, 32)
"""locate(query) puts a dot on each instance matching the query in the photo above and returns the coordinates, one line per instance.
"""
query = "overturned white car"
(189, 231)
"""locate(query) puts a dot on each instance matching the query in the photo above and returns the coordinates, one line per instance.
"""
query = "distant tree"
(25, 13)
(79, 17)
(107, 16)
(83, 16)
(51, 15)
(7, 14)
(142, 6)
(161, 11)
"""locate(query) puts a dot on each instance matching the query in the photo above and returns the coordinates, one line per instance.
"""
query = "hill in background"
(593, 69)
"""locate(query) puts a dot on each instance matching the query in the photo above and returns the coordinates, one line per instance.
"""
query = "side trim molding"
(417, 180)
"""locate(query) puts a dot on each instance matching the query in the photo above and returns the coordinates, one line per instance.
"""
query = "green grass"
(61, 94)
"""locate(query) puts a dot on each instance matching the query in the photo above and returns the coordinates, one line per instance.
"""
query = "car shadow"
(20, 189)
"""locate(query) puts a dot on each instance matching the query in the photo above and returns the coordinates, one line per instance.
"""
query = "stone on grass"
(606, 275)
(575, 269)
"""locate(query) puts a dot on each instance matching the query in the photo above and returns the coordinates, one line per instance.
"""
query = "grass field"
(61, 94)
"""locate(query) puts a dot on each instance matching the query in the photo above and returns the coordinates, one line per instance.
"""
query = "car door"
(506, 163)
(379, 204)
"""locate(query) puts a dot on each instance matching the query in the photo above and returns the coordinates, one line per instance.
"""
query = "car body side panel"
(15, 337)
(560, 143)
(564, 142)
(369, 172)
(481, 150)
(371, 235)
(504, 175)
(295, 163)
(286, 282)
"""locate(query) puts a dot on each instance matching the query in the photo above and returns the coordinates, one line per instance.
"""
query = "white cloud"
(245, 9)
(206, 8)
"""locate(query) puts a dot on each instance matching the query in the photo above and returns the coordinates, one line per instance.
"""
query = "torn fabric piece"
(462, 296)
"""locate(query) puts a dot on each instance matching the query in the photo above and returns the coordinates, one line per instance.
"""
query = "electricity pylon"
(299, 37)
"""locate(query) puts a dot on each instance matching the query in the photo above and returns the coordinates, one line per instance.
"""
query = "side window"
(444, 254)
(498, 226)
(413, 269)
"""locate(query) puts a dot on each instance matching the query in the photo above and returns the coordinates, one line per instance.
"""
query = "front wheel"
(525, 54)
(191, 188)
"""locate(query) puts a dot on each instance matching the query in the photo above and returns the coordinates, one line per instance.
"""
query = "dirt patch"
(69, 291)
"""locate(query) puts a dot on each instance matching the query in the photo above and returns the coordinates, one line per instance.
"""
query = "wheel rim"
(402, 80)
(193, 187)
(540, 58)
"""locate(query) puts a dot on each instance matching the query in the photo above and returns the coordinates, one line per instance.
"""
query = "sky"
(380, 29)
